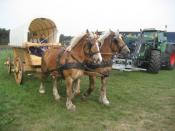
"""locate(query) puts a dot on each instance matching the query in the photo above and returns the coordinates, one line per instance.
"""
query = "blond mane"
(106, 34)
(74, 41)
(103, 37)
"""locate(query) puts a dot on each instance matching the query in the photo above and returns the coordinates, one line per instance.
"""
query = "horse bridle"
(89, 53)
(114, 40)
(89, 45)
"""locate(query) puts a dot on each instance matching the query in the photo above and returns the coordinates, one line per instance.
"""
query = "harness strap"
(102, 65)
(70, 66)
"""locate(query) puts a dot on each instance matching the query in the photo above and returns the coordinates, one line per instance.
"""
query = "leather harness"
(90, 67)
(75, 65)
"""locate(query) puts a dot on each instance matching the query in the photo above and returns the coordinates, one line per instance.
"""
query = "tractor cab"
(155, 39)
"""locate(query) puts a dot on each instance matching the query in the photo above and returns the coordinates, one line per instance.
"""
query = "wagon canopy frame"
(23, 33)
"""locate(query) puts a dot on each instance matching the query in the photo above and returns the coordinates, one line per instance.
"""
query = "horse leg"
(103, 99)
(69, 83)
(55, 89)
(76, 87)
(91, 86)
(42, 87)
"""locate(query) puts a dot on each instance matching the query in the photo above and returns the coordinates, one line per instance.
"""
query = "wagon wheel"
(9, 65)
(18, 70)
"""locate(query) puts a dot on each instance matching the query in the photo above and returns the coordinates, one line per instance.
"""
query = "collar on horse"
(77, 64)
(101, 65)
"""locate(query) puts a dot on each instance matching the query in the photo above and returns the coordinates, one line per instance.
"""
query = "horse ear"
(117, 33)
(110, 31)
(97, 33)
(140, 30)
(87, 31)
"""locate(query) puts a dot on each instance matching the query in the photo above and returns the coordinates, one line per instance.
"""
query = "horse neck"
(78, 52)
(105, 50)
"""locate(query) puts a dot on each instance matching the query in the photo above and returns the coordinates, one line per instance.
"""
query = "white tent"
(23, 33)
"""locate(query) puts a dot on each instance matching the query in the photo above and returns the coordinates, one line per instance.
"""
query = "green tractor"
(151, 51)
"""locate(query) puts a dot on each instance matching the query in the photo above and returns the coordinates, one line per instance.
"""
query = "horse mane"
(103, 37)
(106, 34)
(74, 41)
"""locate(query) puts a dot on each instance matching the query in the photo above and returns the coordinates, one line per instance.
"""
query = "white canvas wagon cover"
(23, 33)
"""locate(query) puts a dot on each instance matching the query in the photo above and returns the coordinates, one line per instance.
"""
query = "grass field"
(139, 102)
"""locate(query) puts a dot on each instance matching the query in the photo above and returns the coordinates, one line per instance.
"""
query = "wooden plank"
(35, 60)
(28, 44)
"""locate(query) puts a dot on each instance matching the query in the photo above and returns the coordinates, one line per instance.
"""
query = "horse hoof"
(42, 91)
(57, 98)
(78, 94)
(104, 101)
(83, 97)
(71, 108)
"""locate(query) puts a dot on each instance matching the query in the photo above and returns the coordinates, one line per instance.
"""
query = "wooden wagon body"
(21, 40)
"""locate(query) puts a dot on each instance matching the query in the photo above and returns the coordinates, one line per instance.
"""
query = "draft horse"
(69, 64)
(111, 43)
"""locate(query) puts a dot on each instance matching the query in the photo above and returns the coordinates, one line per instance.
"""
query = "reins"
(85, 67)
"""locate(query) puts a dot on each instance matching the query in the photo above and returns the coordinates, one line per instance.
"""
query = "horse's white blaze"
(98, 56)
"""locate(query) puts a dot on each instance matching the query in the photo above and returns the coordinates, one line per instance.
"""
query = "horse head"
(91, 48)
(86, 45)
(115, 42)
(118, 45)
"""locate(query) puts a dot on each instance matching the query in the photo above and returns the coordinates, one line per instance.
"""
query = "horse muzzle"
(125, 51)
(97, 58)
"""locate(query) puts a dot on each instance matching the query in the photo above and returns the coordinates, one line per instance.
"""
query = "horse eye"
(114, 40)
(99, 44)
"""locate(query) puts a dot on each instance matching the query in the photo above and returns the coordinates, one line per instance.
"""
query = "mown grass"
(139, 102)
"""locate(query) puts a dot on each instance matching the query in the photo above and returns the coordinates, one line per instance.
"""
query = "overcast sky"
(75, 16)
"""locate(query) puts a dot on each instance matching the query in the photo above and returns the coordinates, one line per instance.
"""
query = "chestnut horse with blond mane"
(69, 64)
(111, 44)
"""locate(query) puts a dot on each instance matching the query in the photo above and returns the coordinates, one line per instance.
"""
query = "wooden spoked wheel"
(9, 65)
(18, 70)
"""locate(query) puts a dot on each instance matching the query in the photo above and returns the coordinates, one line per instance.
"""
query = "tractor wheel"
(154, 63)
(18, 70)
(171, 61)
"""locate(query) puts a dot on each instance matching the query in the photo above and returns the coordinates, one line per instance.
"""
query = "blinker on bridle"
(89, 45)
(114, 40)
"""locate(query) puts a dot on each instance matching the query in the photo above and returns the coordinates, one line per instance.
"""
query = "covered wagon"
(37, 34)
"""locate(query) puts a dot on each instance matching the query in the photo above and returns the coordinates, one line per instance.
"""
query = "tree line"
(4, 36)
(65, 40)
